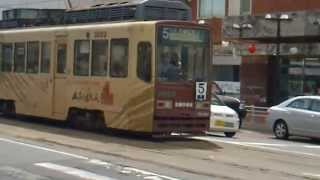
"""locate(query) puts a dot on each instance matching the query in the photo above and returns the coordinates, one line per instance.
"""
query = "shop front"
(267, 80)
(279, 60)
(299, 76)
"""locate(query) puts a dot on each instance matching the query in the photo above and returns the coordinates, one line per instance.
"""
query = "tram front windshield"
(183, 54)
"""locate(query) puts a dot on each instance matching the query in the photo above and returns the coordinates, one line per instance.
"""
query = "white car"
(223, 119)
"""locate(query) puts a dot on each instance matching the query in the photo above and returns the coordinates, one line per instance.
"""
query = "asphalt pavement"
(34, 151)
(28, 160)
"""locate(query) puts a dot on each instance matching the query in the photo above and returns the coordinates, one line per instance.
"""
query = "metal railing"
(256, 114)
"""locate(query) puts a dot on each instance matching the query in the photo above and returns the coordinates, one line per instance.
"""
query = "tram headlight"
(164, 104)
(183, 104)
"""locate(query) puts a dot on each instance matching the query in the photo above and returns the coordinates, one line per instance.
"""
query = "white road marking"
(265, 144)
(44, 149)
(134, 171)
(216, 140)
(284, 151)
(92, 161)
(312, 175)
(74, 172)
(20, 174)
(149, 175)
(246, 144)
(312, 147)
(106, 165)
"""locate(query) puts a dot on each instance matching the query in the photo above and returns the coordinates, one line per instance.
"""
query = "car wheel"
(280, 130)
(230, 134)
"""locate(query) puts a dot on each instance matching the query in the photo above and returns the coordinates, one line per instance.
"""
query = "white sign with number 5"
(201, 91)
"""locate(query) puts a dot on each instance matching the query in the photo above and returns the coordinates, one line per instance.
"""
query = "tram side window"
(19, 57)
(144, 61)
(119, 57)
(82, 55)
(62, 58)
(32, 57)
(99, 58)
(6, 57)
(45, 57)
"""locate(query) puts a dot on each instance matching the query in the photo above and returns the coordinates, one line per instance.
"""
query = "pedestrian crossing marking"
(74, 171)
(20, 174)
(146, 175)
(130, 170)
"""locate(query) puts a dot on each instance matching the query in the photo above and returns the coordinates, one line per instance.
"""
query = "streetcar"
(143, 76)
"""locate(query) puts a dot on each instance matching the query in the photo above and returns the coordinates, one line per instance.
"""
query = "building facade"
(285, 39)
(54, 4)
(272, 6)
(226, 64)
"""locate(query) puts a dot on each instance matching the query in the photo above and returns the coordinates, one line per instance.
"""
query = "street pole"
(274, 97)
(277, 65)
(68, 4)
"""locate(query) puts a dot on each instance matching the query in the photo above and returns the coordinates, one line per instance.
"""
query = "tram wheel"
(7, 107)
(86, 120)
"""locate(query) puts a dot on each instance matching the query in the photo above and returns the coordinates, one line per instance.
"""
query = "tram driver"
(169, 66)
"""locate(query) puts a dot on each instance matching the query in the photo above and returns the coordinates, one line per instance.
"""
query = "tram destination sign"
(183, 35)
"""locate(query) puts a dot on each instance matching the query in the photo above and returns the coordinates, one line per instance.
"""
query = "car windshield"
(183, 54)
(216, 101)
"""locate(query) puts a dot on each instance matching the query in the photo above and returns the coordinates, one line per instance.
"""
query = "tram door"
(60, 77)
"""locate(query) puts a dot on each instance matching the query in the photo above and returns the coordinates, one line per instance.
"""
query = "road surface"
(32, 150)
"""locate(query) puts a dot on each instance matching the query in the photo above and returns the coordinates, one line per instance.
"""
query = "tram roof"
(89, 26)
(111, 3)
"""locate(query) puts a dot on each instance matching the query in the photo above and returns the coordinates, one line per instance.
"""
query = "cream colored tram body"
(101, 72)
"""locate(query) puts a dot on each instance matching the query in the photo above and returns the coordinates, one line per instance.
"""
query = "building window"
(211, 8)
(119, 57)
(32, 57)
(299, 76)
(99, 58)
(245, 7)
(144, 61)
(6, 58)
(82, 56)
(226, 73)
(45, 57)
(19, 57)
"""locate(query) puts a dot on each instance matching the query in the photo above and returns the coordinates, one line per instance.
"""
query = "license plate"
(219, 123)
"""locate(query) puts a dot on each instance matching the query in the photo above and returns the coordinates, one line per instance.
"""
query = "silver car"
(299, 116)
